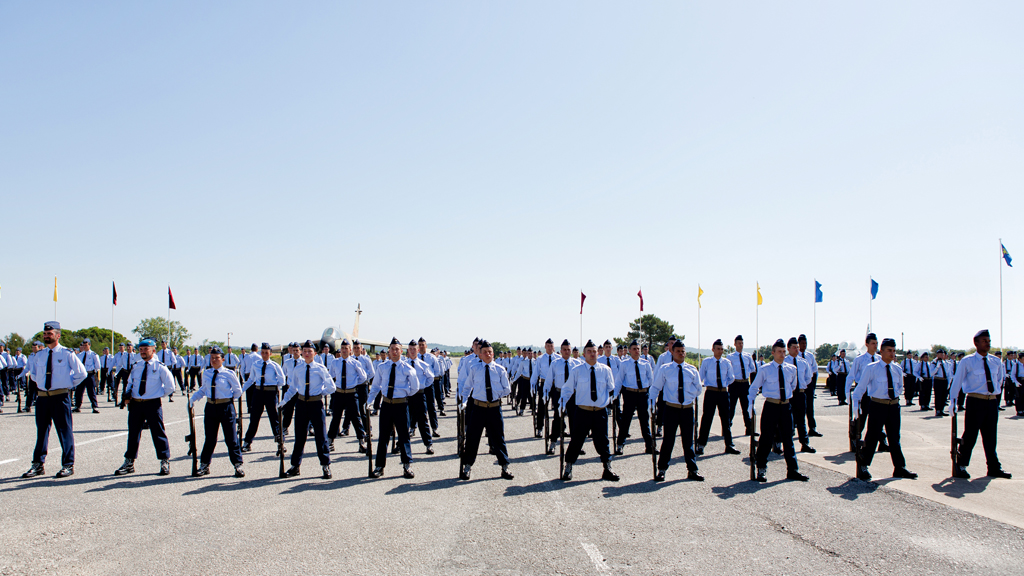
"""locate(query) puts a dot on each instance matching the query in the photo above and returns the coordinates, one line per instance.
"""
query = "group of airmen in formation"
(568, 393)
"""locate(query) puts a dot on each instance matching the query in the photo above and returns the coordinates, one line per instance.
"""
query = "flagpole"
(698, 325)
(871, 302)
(1000, 294)
(757, 323)
(581, 319)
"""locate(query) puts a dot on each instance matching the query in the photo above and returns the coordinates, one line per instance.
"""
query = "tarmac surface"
(96, 523)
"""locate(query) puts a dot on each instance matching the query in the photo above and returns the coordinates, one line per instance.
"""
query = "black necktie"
(487, 383)
(49, 369)
(142, 380)
(888, 375)
(84, 356)
(263, 374)
(213, 385)
(743, 366)
(943, 366)
(984, 361)
(391, 381)
(636, 368)
(681, 395)
(593, 384)
(531, 369)
(344, 379)
(782, 383)
(307, 381)
(718, 372)
(566, 377)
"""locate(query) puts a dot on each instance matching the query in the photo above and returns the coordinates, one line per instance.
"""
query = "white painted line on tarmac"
(120, 434)
(595, 556)
(9, 461)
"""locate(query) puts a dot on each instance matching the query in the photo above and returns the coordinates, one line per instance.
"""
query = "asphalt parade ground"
(96, 523)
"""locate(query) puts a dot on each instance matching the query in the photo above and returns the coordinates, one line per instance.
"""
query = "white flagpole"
(871, 301)
(1000, 294)
(698, 325)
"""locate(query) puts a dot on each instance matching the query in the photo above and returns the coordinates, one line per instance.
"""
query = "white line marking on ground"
(595, 556)
(9, 461)
(120, 434)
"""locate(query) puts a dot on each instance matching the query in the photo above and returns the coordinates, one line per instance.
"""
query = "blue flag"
(874, 289)
(817, 291)
(1006, 255)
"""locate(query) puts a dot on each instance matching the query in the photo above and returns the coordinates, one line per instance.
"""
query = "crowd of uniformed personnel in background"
(568, 394)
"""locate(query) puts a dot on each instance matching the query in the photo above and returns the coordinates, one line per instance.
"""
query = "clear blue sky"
(464, 169)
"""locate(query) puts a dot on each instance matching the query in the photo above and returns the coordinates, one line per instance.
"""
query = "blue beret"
(51, 325)
(147, 342)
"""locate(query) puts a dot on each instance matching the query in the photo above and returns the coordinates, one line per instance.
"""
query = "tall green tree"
(655, 332)
(824, 353)
(99, 337)
(14, 341)
(158, 329)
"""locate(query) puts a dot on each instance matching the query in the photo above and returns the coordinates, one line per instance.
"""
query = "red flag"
(641, 295)
(583, 297)
(170, 299)
(115, 292)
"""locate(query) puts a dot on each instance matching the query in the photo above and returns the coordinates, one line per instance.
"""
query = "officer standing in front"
(679, 385)
(482, 392)
(716, 374)
(56, 371)
(265, 380)
(309, 383)
(221, 388)
(395, 381)
(91, 361)
(980, 376)
(591, 385)
(777, 382)
(148, 382)
(348, 375)
(882, 381)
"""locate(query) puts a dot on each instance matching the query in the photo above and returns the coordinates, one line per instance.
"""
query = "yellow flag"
(699, 294)
(759, 299)
(54, 288)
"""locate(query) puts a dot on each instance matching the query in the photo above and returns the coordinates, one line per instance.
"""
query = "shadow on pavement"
(548, 486)
(614, 490)
(432, 485)
(852, 489)
(841, 458)
(958, 487)
(742, 487)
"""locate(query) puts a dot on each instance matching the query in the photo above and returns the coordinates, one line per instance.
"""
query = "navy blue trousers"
(55, 411)
(139, 413)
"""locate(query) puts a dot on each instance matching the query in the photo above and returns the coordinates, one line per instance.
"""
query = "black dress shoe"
(247, 447)
(430, 449)
(863, 474)
(464, 473)
(204, 470)
(377, 473)
(551, 452)
(396, 450)
(694, 475)
(327, 473)
(609, 475)
(330, 446)
(842, 403)
(777, 448)
(883, 447)
(77, 410)
(814, 433)
(567, 474)
(35, 470)
(732, 450)
(904, 473)
(660, 476)
(941, 414)
(408, 473)
(95, 411)
(506, 474)
(999, 474)
(293, 471)
(66, 471)
(794, 475)
(961, 472)
(761, 475)
(435, 435)
(618, 451)
(807, 448)
(700, 450)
